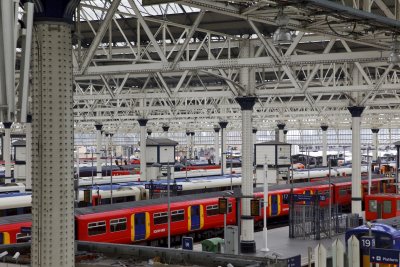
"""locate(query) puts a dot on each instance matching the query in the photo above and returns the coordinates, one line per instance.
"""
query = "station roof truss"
(180, 63)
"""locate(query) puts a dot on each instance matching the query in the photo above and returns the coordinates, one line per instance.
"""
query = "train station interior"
(199, 133)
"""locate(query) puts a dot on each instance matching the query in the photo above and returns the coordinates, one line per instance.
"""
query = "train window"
(212, 210)
(23, 237)
(177, 215)
(118, 225)
(387, 206)
(97, 228)
(160, 218)
(398, 205)
(372, 205)
(229, 207)
(343, 192)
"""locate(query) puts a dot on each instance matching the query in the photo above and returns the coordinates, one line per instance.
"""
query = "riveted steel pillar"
(28, 166)
(375, 143)
(222, 125)
(281, 127)
(356, 198)
(216, 144)
(143, 122)
(52, 146)
(247, 242)
(7, 151)
(324, 128)
(98, 149)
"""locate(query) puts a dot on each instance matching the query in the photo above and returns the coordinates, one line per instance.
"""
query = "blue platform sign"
(301, 197)
(187, 243)
(163, 187)
(367, 242)
(379, 255)
(294, 261)
(26, 230)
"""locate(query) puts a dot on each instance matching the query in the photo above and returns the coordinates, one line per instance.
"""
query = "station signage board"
(389, 256)
(187, 243)
(294, 261)
(163, 187)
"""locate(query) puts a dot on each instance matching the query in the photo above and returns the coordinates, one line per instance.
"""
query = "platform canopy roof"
(182, 63)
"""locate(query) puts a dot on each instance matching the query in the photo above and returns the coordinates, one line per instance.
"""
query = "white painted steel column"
(254, 131)
(98, 149)
(189, 148)
(53, 230)
(216, 145)
(192, 143)
(324, 128)
(222, 125)
(375, 143)
(281, 127)
(356, 198)
(247, 242)
(285, 135)
(28, 160)
(142, 123)
(7, 151)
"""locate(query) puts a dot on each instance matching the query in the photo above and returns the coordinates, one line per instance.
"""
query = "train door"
(140, 226)
(379, 210)
(308, 193)
(274, 205)
(195, 217)
(4, 238)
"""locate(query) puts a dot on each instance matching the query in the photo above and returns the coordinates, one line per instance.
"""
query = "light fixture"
(282, 34)
(394, 56)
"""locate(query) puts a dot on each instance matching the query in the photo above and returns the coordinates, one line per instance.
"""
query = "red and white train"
(196, 215)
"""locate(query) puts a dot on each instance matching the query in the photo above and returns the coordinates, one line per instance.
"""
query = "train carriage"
(195, 215)
(382, 206)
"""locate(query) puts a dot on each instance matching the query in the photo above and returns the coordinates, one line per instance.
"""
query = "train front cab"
(382, 206)
(386, 237)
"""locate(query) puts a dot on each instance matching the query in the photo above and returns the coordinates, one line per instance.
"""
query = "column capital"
(7, 124)
(29, 118)
(187, 133)
(254, 130)
(223, 124)
(98, 127)
(192, 133)
(149, 131)
(111, 135)
(375, 130)
(106, 134)
(285, 131)
(281, 126)
(216, 129)
(142, 121)
(246, 102)
(324, 127)
(356, 111)
(165, 128)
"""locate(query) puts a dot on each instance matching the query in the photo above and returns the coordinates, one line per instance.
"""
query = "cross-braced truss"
(180, 64)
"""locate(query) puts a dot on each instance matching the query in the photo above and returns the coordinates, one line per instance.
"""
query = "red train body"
(145, 221)
(382, 206)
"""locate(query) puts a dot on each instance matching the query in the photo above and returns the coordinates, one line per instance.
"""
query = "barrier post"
(320, 256)
(354, 251)
(337, 253)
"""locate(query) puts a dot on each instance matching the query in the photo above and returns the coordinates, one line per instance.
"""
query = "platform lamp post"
(222, 125)
(265, 232)
(397, 144)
